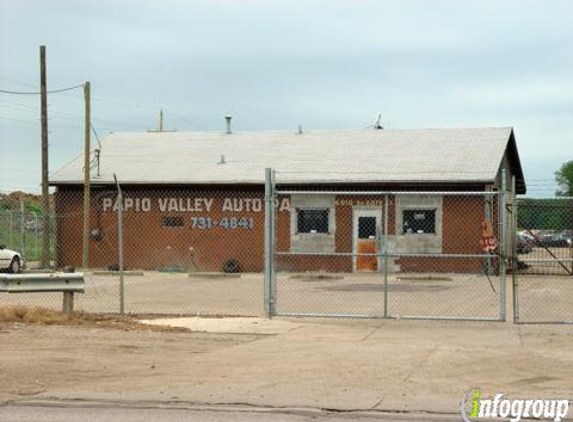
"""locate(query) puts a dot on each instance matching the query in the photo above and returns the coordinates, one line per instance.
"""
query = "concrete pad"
(211, 275)
(128, 273)
(227, 325)
(316, 276)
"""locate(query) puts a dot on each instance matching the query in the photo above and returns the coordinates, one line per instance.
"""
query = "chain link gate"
(543, 264)
(385, 254)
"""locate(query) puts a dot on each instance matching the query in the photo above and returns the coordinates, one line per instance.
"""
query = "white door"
(367, 231)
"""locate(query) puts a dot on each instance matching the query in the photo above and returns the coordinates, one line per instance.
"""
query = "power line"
(95, 133)
(64, 115)
(195, 125)
(18, 106)
(19, 120)
(2, 78)
(35, 122)
(4, 91)
(118, 103)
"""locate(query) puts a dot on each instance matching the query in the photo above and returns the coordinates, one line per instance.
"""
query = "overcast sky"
(274, 65)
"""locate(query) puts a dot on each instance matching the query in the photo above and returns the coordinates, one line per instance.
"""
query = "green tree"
(564, 179)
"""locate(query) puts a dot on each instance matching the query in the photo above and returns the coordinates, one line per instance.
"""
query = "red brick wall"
(148, 245)
(461, 233)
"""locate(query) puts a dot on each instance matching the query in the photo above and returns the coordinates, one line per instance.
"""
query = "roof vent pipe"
(299, 130)
(228, 124)
(378, 124)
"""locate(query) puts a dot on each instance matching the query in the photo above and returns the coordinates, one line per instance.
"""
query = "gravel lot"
(542, 298)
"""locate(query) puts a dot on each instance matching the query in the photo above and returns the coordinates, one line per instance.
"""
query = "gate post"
(502, 247)
(120, 246)
(386, 198)
(274, 211)
(514, 267)
(269, 244)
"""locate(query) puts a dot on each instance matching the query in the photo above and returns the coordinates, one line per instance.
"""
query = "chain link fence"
(544, 260)
(21, 228)
(185, 251)
(403, 255)
(327, 252)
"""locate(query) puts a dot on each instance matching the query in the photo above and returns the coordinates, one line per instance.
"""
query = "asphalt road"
(103, 413)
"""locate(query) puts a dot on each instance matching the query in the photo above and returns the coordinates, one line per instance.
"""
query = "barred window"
(172, 221)
(419, 221)
(312, 220)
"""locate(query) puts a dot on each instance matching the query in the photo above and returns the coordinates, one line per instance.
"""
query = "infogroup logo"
(474, 407)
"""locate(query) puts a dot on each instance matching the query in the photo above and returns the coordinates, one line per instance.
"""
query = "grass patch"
(20, 314)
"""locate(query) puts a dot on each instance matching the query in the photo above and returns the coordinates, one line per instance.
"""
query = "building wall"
(204, 243)
(148, 244)
(461, 232)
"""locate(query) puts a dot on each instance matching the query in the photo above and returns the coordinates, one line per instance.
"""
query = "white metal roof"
(386, 156)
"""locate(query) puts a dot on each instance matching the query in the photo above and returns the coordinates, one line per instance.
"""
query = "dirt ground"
(38, 358)
(405, 366)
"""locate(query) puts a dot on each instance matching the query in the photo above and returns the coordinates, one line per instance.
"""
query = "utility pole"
(45, 191)
(87, 147)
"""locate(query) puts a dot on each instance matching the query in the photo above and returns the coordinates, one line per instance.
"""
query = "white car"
(10, 260)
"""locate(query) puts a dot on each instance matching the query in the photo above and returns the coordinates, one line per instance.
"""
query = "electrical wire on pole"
(54, 91)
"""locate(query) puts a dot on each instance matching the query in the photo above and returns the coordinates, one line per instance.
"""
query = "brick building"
(198, 198)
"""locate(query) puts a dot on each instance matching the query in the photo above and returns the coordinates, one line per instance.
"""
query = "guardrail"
(67, 283)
